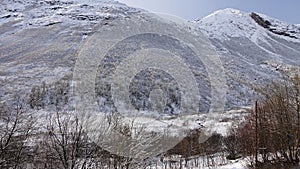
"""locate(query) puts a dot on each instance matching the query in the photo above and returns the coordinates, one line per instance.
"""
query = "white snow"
(235, 165)
(222, 164)
(219, 123)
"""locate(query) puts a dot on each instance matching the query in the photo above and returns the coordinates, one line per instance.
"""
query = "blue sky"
(286, 10)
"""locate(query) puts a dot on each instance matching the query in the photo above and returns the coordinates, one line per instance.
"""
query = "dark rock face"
(258, 19)
(267, 24)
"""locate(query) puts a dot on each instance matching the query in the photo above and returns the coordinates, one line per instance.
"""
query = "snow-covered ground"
(210, 123)
(203, 163)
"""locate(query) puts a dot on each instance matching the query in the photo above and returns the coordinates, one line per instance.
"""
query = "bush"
(271, 133)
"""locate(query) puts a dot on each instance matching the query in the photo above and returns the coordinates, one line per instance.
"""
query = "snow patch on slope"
(227, 23)
(231, 23)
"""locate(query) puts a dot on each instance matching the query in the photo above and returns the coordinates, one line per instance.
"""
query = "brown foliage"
(272, 130)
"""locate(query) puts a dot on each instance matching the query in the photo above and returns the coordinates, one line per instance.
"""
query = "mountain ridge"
(235, 23)
(252, 55)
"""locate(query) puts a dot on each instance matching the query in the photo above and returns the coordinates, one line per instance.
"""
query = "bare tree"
(65, 141)
(16, 126)
(232, 145)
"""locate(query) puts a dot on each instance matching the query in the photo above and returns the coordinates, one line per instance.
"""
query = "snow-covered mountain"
(39, 42)
(228, 23)
(255, 49)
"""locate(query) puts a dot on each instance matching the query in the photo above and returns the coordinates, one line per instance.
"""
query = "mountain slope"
(255, 49)
(39, 40)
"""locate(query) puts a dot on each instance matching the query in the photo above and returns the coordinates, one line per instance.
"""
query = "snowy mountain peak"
(227, 23)
(223, 12)
(254, 48)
